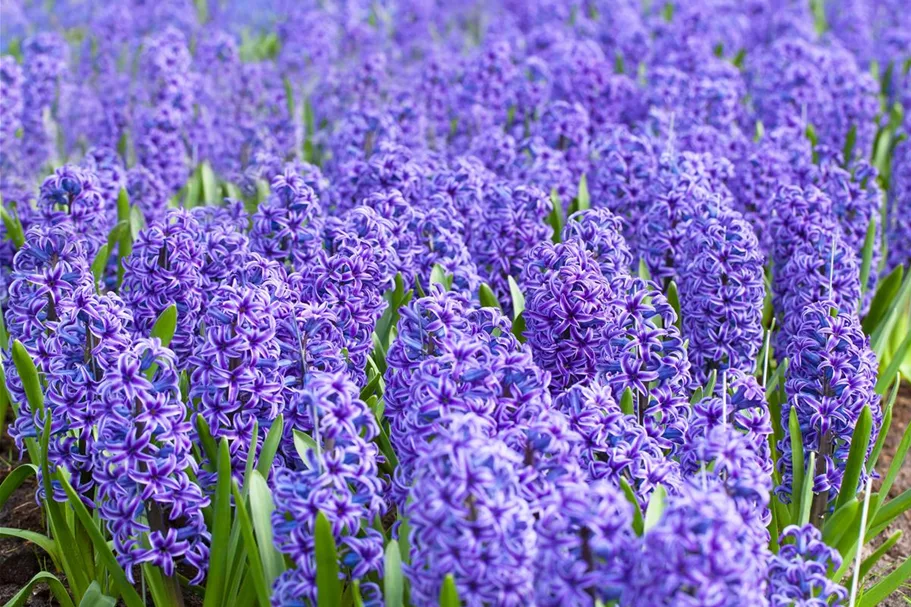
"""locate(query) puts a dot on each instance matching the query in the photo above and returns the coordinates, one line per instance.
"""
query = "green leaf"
(891, 370)
(896, 308)
(518, 299)
(897, 461)
(40, 540)
(14, 480)
(626, 402)
(518, 327)
(438, 276)
(656, 505)
(583, 198)
(449, 594)
(885, 294)
(56, 586)
(165, 325)
(887, 585)
(254, 560)
(28, 375)
(877, 554)
(892, 510)
(102, 550)
(644, 272)
(870, 245)
(329, 588)
(797, 460)
(210, 190)
(837, 524)
(673, 298)
(93, 597)
(270, 446)
(850, 142)
(393, 582)
(487, 297)
(99, 264)
(884, 428)
(638, 522)
(13, 227)
(806, 493)
(221, 530)
(125, 244)
(261, 508)
(555, 219)
(304, 444)
(208, 444)
(856, 456)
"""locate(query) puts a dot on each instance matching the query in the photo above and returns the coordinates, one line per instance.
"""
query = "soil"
(20, 560)
(901, 417)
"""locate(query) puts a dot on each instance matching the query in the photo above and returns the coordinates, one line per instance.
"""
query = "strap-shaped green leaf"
(449, 594)
(56, 586)
(102, 550)
(328, 586)
(221, 530)
(393, 581)
(486, 297)
(856, 456)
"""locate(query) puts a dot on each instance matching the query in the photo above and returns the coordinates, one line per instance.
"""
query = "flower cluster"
(338, 477)
(721, 294)
(829, 383)
(800, 570)
(467, 518)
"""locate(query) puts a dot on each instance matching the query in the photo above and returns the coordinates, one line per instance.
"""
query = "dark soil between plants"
(20, 560)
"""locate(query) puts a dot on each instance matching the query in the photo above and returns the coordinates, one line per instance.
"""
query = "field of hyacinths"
(482, 303)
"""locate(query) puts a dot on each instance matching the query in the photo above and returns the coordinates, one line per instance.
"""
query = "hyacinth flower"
(443, 245)
(338, 478)
(565, 127)
(799, 573)
(544, 167)
(141, 458)
(310, 342)
(614, 445)
(467, 486)
(236, 380)
(688, 188)
(391, 167)
(584, 536)
(44, 59)
(601, 233)
(824, 268)
(829, 383)
(567, 311)
(347, 281)
(73, 196)
(404, 218)
(92, 332)
(363, 226)
(110, 173)
(698, 553)
(721, 294)
(422, 329)
(734, 453)
(622, 165)
(856, 202)
(783, 157)
(898, 218)
(147, 192)
(797, 77)
(225, 245)
(642, 350)
(463, 182)
(513, 222)
(163, 270)
(288, 226)
(49, 268)
(11, 105)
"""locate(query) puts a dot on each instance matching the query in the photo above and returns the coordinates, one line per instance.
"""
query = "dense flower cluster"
(338, 476)
(830, 381)
(485, 278)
